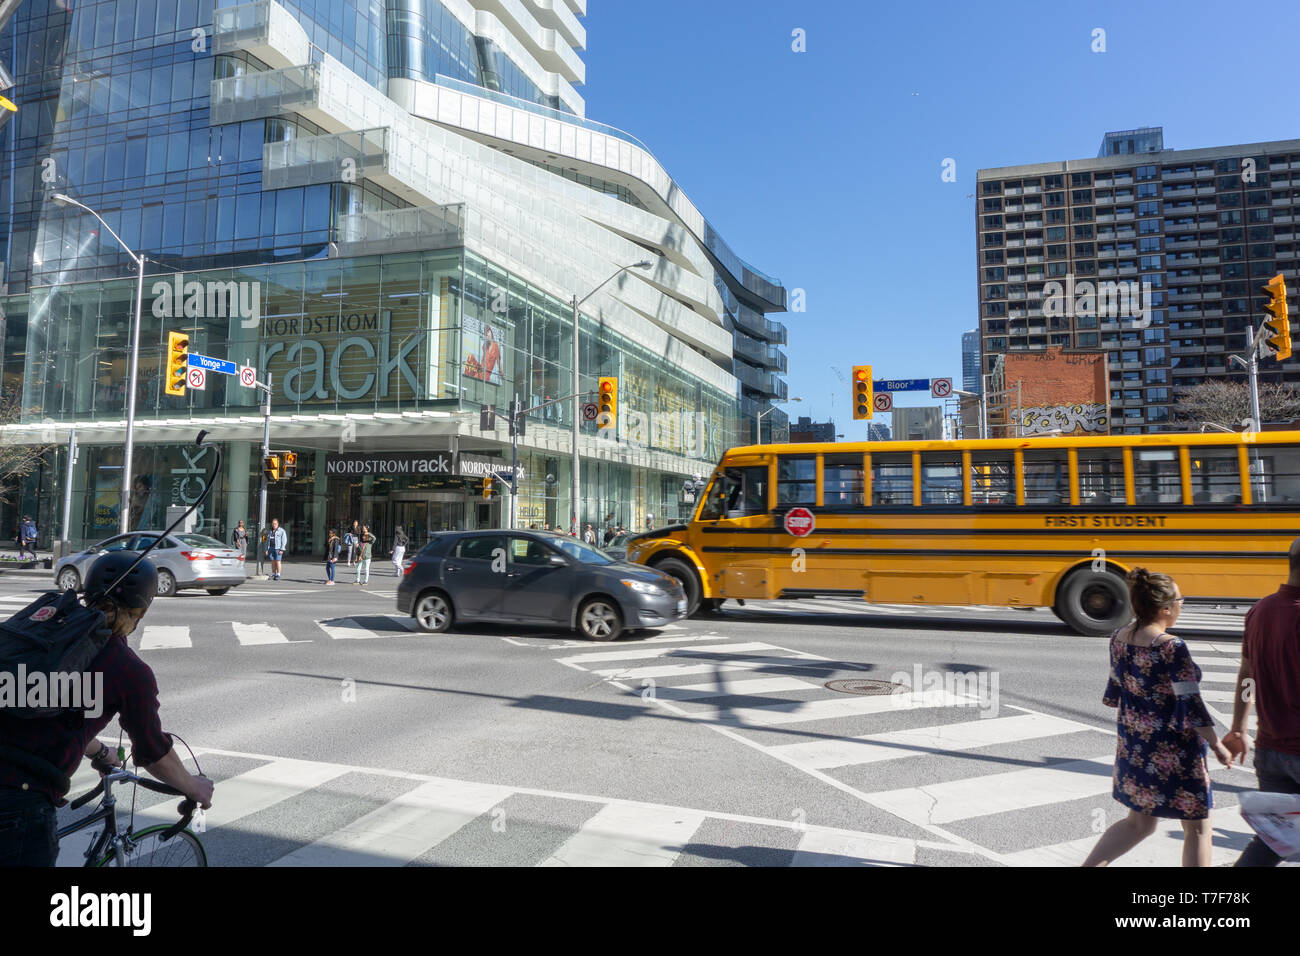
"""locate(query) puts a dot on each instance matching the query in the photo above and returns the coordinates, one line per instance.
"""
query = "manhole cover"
(865, 688)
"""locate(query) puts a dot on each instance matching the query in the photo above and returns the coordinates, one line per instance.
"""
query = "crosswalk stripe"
(626, 835)
(970, 797)
(944, 738)
(1162, 848)
(349, 630)
(1218, 677)
(249, 634)
(823, 848)
(741, 688)
(744, 663)
(402, 829)
(633, 653)
(253, 791)
(799, 711)
(158, 637)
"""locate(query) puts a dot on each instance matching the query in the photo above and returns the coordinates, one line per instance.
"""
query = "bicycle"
(152, 846)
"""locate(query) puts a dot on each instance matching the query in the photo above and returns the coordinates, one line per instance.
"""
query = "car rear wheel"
(685, 575)
(1093, 602)
(599, 619)
(69, 580)
(166, 583)
(433, 613)
(217, 591)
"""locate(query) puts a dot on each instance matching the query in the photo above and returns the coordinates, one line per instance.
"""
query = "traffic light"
(487, 489)
(289, 464)
(607, 403)
(1277, 330)
(271, 464)
(178, 357)
(862, 395)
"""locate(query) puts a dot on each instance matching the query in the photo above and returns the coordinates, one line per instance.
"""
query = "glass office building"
(1174, 246)
(388, 208)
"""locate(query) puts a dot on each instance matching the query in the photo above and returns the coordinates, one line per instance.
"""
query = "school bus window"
(1275, 475)
(1047, 477)
(737, 493)
(991, 481)
(940, 480)
(891, 480)
(1157, 478)
(796, 481)
(1215, 479)
(842, 480)
(1101, 476)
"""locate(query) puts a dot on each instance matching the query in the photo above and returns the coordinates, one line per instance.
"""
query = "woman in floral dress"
(1164, 728)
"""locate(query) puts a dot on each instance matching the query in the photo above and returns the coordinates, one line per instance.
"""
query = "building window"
(992, 188)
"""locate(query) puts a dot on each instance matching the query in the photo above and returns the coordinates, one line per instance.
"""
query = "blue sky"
(823, 167)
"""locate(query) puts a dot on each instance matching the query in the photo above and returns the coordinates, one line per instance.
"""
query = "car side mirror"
(558, 561)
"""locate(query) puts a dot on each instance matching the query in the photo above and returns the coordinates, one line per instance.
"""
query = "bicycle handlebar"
(116, 774)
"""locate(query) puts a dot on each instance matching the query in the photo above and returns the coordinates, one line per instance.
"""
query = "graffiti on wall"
(1081, 417)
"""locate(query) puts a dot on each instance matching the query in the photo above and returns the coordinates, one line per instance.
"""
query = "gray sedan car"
(192, 561)
(534, 577)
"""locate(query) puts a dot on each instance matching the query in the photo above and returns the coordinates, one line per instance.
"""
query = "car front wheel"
(69, 580)
(599, 619)
(166, 584)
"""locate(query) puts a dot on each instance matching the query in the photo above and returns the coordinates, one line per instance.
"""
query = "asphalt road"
(339, 734)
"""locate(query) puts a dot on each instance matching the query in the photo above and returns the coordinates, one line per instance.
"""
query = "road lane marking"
(620, 835)
(157, 637)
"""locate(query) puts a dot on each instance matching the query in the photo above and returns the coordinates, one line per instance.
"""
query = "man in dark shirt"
(1270, 675)
(37, 756)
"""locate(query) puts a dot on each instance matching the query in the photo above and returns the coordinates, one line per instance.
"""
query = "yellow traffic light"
(289, 464)
(178, 357)
(607, 403)
(1277, 330)
(862, 392)
(487, 489)
(271, 464)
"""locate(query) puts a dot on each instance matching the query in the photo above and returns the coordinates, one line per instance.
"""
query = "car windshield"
(583, 552)
(198, 541)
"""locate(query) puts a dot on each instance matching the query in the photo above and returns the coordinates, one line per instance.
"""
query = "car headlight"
(643, 587)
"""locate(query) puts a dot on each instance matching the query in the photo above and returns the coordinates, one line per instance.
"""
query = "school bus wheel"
(685, 575)
(1093, 602)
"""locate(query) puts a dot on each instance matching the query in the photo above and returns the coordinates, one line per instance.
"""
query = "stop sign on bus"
(799, 522)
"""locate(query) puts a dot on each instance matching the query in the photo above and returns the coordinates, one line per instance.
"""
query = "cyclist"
(37, 756)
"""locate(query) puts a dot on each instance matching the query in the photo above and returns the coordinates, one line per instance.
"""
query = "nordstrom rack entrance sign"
(381, 464)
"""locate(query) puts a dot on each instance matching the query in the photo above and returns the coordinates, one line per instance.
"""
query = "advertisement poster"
(482, 345)
(108, 494)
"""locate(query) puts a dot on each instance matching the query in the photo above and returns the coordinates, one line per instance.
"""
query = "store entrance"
(424, 513)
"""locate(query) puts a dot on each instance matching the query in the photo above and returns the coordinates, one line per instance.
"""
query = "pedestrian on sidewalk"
(239, 539)
(352, 539)
(27, 534)
(277, 545)
(1164, 728)
(589, 536)
(332, 548)
(399, 549)
(1270, 676)
(365, 550)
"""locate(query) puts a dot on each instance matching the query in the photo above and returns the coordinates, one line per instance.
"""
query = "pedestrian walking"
(589, 536)
(27, 535)
(399, 549)
(352, 539)
(277, 545)
(1164, 728)
(1270, 667)
(610, 533)
(239, 539)
(332, 548)
(365, 550)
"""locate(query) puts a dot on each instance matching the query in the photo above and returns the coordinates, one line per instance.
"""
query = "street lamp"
(124, 503)
(577, 398)
(758, 420)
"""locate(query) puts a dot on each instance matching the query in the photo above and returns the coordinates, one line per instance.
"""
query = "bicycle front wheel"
(147, 848)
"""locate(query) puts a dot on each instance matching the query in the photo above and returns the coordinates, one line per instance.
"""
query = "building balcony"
(401, 230)
(294, 89)
(262, 29)
(753, 322)
(767, 356)
(1177, 177)
(336, 157)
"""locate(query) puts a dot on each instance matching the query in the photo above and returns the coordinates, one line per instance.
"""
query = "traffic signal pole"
(266, 451)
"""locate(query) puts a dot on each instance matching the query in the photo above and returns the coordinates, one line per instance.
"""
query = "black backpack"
(55, 634)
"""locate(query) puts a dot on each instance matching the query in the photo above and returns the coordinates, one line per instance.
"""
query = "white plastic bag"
(1276, 818)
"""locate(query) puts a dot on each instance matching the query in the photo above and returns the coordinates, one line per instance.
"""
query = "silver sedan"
(184, 561)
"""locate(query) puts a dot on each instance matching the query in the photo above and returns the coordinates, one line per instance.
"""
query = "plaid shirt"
(130, 690)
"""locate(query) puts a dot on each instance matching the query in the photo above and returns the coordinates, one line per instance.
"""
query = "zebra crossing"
(344, 815)
(1194, 619)
(1010, 784)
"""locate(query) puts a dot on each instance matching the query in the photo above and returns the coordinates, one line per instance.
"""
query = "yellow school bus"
(1022, 522)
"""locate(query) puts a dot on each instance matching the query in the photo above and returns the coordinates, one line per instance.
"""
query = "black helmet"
(137, 589)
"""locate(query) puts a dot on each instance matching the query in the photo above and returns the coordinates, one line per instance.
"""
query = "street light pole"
(758, 419)
(577, 397)
(132, 380)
